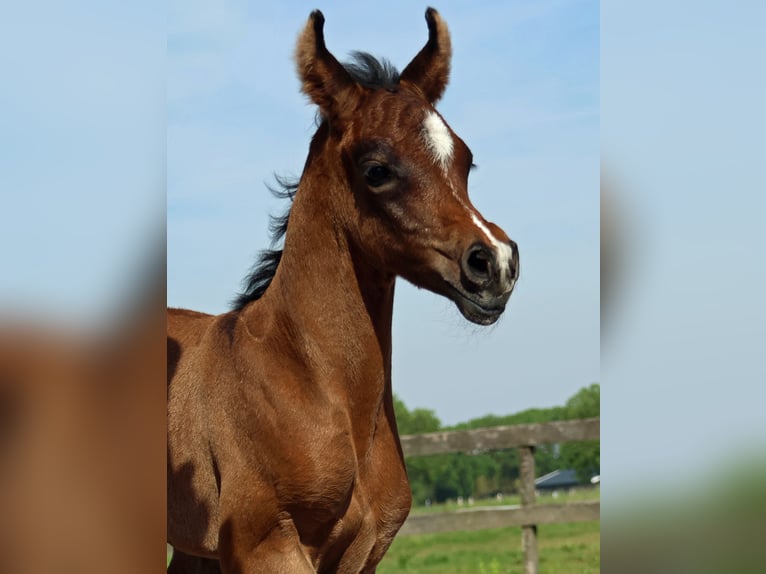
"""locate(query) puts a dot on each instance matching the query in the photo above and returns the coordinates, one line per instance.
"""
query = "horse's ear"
(323, 78)
(429, 70)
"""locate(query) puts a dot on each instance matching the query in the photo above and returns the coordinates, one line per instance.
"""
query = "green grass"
(562, 549)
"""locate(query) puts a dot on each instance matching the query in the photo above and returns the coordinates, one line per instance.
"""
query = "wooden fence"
(528, 515)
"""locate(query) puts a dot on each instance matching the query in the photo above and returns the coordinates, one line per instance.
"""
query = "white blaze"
(438, 139)
(440, 145)
(504, 251)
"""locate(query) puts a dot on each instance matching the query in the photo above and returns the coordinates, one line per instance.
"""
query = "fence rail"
(468, 441)
(528, 515)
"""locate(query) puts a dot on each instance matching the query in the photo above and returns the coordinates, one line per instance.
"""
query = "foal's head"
(402, 173)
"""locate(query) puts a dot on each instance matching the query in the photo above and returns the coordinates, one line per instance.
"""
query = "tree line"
(442, 477)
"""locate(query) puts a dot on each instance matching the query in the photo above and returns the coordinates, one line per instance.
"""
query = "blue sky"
(524, 96)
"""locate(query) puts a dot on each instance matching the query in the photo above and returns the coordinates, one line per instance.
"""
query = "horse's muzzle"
(487, 278)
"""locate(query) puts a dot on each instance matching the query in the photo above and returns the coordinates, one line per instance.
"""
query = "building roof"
(558, 479)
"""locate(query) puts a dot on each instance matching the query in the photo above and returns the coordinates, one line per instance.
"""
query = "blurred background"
(82, 287)
(683, 331)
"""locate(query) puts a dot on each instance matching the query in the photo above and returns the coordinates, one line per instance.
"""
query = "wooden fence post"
(527, 491)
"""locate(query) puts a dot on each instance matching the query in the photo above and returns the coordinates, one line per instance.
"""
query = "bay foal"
(283, 453)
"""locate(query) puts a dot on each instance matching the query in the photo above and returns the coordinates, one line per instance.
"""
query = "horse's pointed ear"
(429, 70)
(323, 78)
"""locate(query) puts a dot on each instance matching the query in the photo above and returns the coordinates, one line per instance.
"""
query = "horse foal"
(283, 452)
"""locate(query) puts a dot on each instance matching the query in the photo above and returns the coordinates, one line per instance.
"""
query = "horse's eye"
(376, 175)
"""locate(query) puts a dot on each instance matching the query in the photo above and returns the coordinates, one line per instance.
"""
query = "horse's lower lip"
(479, 314)
(476, 312)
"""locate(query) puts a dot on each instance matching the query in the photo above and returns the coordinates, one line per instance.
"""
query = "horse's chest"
(348, 507)
(319, 482)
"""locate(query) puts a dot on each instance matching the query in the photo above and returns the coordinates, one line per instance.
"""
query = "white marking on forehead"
(438, 139)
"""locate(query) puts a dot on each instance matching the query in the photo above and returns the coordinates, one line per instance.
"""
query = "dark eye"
(377, 175)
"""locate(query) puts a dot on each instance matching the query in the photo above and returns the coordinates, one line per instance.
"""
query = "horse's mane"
(371, 73)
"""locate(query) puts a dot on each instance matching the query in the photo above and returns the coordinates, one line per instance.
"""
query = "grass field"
(562, 549)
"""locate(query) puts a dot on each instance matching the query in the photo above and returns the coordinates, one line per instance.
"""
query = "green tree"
(585, 403)
(417, 421)
(447, 484)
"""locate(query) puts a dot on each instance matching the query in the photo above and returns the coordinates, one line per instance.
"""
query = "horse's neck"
(338, 310)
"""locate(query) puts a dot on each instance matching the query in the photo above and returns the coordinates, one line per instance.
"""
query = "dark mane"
(261, 274)
(369, 72)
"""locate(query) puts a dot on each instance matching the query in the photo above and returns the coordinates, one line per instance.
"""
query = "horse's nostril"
(479, 263)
